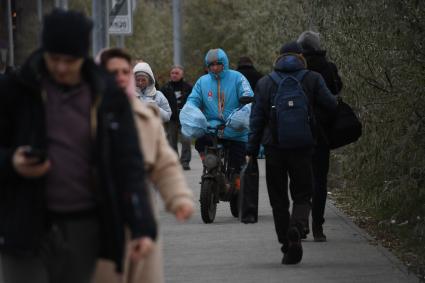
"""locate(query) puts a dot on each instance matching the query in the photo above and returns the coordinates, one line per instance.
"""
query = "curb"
(411, 277)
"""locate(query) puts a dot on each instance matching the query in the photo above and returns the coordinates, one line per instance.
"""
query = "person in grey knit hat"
(309, 40)
(317, 61)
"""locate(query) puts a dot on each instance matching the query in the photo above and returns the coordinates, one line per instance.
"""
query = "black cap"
(291, 47)
(245, 61)
(66, 32)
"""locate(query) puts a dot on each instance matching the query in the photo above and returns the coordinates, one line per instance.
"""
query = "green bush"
(379, 48)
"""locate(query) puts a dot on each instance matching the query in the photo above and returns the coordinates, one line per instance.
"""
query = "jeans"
(173, 129)
(298, 166)
(68, 255)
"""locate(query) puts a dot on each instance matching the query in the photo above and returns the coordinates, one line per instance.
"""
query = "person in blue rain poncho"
(217, 95)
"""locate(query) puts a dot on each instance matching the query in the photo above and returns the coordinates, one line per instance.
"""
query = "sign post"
(120, 17)
(100, 29)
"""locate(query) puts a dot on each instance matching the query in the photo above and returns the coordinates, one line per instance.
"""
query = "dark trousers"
(68, 255)
(172, 129)
(298, 166)
(237, 150)
(320, 192)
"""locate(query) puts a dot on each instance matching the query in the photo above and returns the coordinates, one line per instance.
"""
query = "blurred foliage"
(379, 48)
(234, 26)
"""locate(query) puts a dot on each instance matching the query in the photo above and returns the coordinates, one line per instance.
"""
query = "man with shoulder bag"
(332, 129)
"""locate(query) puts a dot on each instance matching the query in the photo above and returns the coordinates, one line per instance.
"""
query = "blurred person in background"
(176, 91)
(147, 92)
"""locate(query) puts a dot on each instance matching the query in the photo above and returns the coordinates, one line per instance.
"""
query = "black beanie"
(291, 47)
(66, 32)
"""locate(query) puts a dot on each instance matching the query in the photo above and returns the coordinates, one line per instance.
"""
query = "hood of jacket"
(145, 68)
(288, 63)
(221, 57)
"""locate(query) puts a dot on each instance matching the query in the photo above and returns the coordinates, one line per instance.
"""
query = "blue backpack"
(291, 115)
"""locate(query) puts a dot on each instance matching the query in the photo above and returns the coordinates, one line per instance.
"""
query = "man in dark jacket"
(71, 173)
(317, 61)
(246, 67)
(295, 162)
(176, 91)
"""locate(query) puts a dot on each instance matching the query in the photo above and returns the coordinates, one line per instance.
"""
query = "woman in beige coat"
(164, 171)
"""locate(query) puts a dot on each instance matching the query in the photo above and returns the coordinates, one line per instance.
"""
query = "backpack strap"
(276, 78)
(301, 74)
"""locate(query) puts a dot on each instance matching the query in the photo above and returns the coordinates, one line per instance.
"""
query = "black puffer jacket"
(118, 170)
(314, 86)
(316, 61)
(176, 104)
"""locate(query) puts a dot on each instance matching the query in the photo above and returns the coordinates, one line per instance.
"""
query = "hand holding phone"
(29, 162)
(30, 152)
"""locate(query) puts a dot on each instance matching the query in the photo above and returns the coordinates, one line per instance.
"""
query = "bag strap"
(301, 74)
(276, 78)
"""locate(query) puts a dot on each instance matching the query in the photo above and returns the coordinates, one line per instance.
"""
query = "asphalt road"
(229, 251)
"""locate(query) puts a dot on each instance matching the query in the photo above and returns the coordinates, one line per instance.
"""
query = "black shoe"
(186, 167)
(318, 233)
(249, 219)
(304, 233)
(295, 249)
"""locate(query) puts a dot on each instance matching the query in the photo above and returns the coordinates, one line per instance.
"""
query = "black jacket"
(176, 105)
(316, 61)
(251, 74)
(314, 87)
(118, 164)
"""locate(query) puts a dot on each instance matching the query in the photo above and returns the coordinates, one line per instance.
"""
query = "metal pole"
(10, 53)
(120, 40)
(63, 4)
(100, 10)
(177, 33)
(40, 10)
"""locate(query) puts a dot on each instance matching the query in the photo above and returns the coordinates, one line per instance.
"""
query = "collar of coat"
(34, 70)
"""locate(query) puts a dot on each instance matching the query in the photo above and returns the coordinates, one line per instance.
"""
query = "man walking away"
(71, 172)
(317, 61)
(176, 91)
(282, 119)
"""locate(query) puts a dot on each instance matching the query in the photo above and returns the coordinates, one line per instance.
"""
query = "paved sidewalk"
(228, 251)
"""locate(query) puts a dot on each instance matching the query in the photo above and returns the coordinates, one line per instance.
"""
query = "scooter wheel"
(208, 204)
